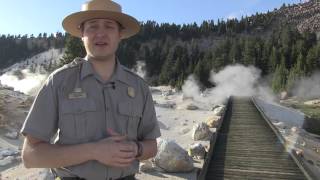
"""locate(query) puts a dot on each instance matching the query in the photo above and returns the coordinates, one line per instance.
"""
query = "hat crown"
(103, 5)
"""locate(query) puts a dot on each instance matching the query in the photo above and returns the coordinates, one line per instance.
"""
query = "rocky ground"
(186, 126)
(13, 109)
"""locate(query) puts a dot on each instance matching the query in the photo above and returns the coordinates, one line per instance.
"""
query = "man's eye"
(93, 27)
(110, 27)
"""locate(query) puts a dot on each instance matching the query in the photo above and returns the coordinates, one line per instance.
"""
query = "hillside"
(27, 76)
(306, 16)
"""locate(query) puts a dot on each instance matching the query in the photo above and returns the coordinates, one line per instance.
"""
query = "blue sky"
(38, 16)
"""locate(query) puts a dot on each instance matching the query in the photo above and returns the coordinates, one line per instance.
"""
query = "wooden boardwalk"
(247, 148)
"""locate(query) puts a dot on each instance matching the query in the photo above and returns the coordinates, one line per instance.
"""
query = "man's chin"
(103, 57)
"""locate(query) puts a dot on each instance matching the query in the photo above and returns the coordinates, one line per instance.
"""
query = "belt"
(131, 177)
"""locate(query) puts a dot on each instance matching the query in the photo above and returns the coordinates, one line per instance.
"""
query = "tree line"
(15, 48)
(172, 52)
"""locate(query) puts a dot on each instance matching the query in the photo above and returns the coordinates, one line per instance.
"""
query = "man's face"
(101, 38)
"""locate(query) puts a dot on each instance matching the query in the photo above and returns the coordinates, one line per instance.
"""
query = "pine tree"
(74, 48)
(294, 75)
(274, 59)
(279, 80)
(249, 52)
(235, 55)
(311, 60)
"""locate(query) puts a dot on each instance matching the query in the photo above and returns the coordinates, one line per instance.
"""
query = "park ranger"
(93, 118)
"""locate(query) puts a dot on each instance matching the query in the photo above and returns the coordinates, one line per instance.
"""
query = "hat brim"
(72, 22)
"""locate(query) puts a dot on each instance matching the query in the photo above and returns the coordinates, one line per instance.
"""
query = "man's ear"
(121, 34)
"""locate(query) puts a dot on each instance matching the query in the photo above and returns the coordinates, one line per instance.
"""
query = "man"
(101, 113)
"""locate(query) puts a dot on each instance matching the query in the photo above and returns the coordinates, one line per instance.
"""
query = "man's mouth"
(101, 44)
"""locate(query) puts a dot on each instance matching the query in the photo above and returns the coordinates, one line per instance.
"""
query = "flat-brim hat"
(100, 9)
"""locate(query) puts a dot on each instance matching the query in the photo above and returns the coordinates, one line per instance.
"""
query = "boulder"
(197, 151)
(172, 158)
(315, 102)
(146, 166)
(155, 90)
(166, 105)
(213, 121)
(167, 93)
(8, 152)
(218, 111)
(186, 97)
(185, 131)
(200, 131)
(7, 160)
(12, 135)
(284, 95)
(184, 124)
(192, 107)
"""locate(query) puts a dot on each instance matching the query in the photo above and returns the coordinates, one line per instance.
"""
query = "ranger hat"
(96, 9)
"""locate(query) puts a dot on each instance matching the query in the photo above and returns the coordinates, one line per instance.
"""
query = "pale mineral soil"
(176, 124)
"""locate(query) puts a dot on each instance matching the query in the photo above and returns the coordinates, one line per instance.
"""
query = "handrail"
(308, 173)
(203, 172)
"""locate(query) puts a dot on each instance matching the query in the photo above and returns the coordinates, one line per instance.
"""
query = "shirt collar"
(86, 69)
(119, 74)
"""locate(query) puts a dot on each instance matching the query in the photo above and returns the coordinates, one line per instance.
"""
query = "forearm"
(149, 149)
(44, 155)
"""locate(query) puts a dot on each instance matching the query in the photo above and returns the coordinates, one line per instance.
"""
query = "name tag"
(77, 94)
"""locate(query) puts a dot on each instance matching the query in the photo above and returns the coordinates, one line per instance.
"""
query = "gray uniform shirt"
(78, 106)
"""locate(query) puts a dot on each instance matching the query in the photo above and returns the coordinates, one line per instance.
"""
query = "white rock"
(154, 90)
(186, 97)
(167, 93)
(184, 124)
(212, 121)
(192, 107)
(7, 160)
(312, 102)
(12, 135)
(197, 151)
(294, 129)
(280, 125)
(166, 105)
(218, 111)
(185, 131)
(200, 131)
(146, 166)
(284, 95)
(45, 174)
(8, 152)
(172, 158)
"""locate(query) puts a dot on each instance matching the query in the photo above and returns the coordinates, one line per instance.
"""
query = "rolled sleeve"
(42, 118)
(149, 127)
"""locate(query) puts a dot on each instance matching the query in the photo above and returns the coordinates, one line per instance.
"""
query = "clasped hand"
(116, 150)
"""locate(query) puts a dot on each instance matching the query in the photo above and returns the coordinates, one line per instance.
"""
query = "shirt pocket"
(77, 120)
(130, 117)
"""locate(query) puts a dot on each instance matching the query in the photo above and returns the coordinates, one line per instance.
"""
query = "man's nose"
(101, 32)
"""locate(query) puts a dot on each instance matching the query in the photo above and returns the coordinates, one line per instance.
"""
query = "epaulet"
(75, 63)
(133, 74)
